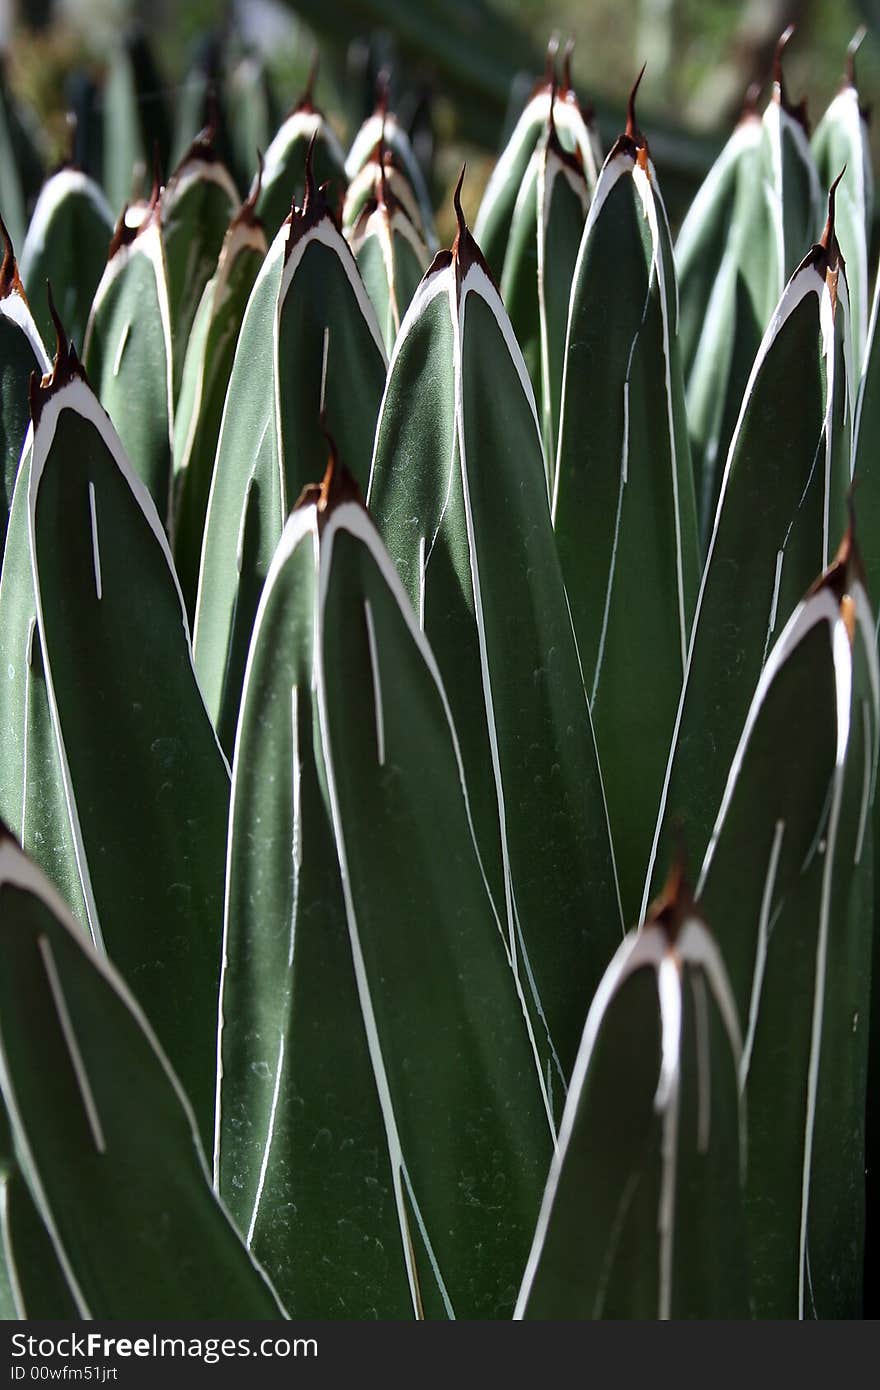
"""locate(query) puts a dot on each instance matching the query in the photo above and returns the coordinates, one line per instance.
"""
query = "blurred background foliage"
(461, 69)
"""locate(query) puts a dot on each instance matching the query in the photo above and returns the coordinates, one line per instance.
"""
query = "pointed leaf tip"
(828, 240)
(316, 205)
(338, 485)
(306, 102)
(566, 66)
(9, 279)
(675, 901)
(66, 366)
(383, 92)
(550, 61)
(797, 110)
(852, 48)
(632, 127)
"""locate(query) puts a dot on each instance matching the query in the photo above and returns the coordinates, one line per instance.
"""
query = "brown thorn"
(383, 92)
(675, 901)
(781, 44)
(8, 268)
(550, 60)
(852, 49)
(827, 239)
(459, 215)
(750, 102)
(62, 346)
(632, 129)
(566, 65)
(308, 96)
(311, 188)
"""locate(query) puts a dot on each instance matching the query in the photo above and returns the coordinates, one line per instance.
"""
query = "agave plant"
(439, 721)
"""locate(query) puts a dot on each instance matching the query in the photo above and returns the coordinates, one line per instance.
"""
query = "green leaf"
(459, 493)
(253, 116)
(371, 1177)
(575, 131)
(32, 798)
(642, 1213)
(137, 128)
(66, 245)
(363, 187)
(21, 353)
(309, 344)
(128, 349)
(206, 371)
(391, 257)
(624, 506)
(786, 879)
(36, 1281)
(722, 304)
(793, 193)
(145, 782)
(841, 141)
(284, 170)
(110, 1142)
(382, 128)
(780, 515)
(21, 167)
(539, 266)
(196, 210)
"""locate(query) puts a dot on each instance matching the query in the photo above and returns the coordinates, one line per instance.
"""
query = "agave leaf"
(391, 257)
(137, 128)
(722, 304)
(642, 1213)
(12, 194)
(384, 164)
(624, 505)
(459, 492)
(284, 180)
(32, 800)
(542, 250)
(206, 372)
(128, 349)
(196, 210)
(127, 1204)
(383, 128)
(309, 346)
(793, 191)
(253, 116)
(787, 875)
(36, 1283)
(841, 141)
(338, 1024)
(127, 713)
(66, 245)
(780, 515)
(575, 130)
(21, 353)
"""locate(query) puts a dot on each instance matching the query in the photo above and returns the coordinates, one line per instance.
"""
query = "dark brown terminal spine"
(66, 367)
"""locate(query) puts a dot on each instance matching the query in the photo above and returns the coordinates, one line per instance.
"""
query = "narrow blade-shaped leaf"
(137, 128)
(642, 1213)
(780, 516)
(575, 130)
(542, 251)
(793, 192)
(128, 349)
(722, 304)
(284, 182)
(36, 1280)
(311, 328)
(787, 877)
(391, 257)
(841, 141)
(383, 128)
(624, 505)
(385, 958)
(459, 492)
(207, 367)
(134, 1224)
(128, 715)
(21, 353)
(32, 799)
(66, 245)
(196, 209)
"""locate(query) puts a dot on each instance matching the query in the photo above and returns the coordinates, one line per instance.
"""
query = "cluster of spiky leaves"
(350, 708)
